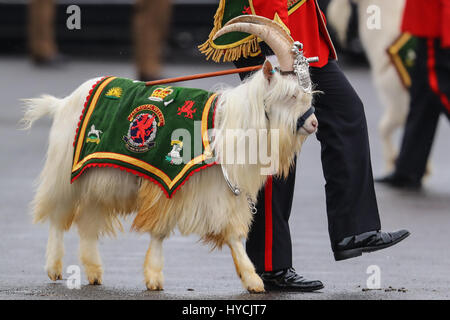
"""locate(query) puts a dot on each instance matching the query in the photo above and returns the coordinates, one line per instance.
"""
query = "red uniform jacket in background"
(306, 23)
(428, 19)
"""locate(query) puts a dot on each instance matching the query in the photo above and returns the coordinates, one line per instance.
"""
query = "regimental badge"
(410, 58)
(247, 10)
(159, 94)
(93, 135)
(114, 93)
(187, 109)
(144, 123)
(174, 156)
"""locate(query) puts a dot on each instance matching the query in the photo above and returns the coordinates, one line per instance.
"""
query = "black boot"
(354, 246)
(54, 62)
(288, 280)
(402, 182)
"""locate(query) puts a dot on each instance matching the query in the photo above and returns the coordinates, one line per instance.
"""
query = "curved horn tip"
(262, 21)
(227, 29)
(280, 42)
(250, 18)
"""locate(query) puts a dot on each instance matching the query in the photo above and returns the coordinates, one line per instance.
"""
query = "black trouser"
(351, 202)
(430, 95)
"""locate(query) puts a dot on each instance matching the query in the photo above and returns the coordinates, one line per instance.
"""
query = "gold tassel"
(250, 48)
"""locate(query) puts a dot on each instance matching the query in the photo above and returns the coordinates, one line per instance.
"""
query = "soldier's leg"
(421, 124)
(150, 27)
(351, 201)
(439, 73)
(41, 34)
(269, 241)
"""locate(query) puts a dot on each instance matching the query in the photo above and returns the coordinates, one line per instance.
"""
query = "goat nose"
(314, 123)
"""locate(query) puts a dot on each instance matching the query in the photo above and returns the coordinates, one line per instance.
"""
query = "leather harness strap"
(301, 121)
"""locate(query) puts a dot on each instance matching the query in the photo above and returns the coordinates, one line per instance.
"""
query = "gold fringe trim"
(231, 52)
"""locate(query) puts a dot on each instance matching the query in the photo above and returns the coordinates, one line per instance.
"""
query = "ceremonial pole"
(203, 75)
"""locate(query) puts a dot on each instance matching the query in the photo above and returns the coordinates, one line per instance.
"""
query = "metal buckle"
(301, 66)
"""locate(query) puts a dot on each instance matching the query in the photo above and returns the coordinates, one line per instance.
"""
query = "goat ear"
(268, 70)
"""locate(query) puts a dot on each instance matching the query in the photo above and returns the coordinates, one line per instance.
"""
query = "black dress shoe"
(53, 62)
(354, 246)
(397, 181)
(288, 280)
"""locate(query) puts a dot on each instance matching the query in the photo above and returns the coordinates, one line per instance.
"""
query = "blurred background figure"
(41, 32)
(150, 24)
(376, 42)
(150, 28)
(429, 20)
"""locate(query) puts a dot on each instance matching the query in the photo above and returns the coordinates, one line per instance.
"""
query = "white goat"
(391, 91)
(205, 205)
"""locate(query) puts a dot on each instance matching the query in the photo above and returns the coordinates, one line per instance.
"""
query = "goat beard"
(290, 147)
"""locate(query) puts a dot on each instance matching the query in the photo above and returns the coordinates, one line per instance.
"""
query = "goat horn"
(269, 31)
(254, 19)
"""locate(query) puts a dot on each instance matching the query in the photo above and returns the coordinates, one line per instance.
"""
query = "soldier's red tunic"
(312, 32)
(306, 23)
(269, 8)
(428, 19)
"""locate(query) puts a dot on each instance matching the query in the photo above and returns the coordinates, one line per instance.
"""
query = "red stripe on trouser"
(432, 75)
(269, 227)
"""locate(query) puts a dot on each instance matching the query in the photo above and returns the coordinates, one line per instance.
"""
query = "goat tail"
(338, 14)
(36, 108)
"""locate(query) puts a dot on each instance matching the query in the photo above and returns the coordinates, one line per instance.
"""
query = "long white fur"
(204, 205)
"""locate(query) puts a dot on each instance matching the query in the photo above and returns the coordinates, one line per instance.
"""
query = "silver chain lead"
(301, 66)
(252, 205)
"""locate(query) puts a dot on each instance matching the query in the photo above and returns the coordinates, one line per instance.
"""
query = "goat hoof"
(254, 284)
(95, 281)
(54, 276)
(153, 286)
(94, 274)
(154, 280)
(256, 290)
(55, 272)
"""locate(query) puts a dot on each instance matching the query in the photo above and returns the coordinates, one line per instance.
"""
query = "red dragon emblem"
(187, 108)
(141, 132)
(142, 128)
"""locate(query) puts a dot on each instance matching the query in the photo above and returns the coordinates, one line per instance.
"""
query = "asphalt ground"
(417, 268)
